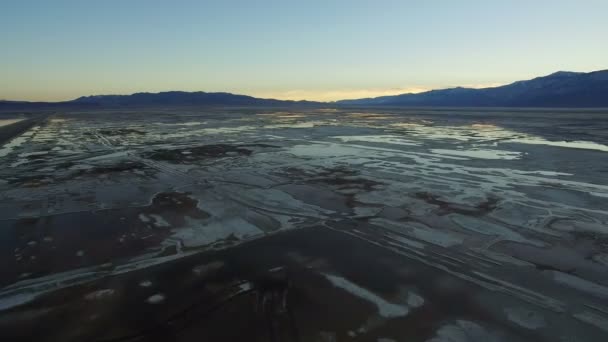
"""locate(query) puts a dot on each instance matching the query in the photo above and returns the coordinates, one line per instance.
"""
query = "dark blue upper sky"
(313, 49)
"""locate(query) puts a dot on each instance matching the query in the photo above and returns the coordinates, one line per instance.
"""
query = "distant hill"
(33, 106)
(169, 98)
(560, 89)
(181, 98)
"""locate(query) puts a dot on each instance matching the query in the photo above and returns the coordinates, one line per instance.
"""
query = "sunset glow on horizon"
(316, 50)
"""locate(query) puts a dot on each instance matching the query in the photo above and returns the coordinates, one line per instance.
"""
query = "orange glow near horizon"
(326, 95)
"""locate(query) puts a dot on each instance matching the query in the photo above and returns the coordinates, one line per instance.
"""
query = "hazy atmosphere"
(316, 50)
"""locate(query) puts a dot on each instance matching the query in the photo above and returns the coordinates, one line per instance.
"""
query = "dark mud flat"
(313, 284)
(39, 246)
(267, 224)
(191, 154)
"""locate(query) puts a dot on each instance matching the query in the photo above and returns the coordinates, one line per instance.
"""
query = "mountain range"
(560, 89)
(142, 100)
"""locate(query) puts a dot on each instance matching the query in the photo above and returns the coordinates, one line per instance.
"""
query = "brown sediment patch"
(344, 178)
(581, 232)
(121, 131)
(38, 246)
(571, 257)
(174, 207)
(352, 202)
(349, 183)
(336, 171)
(34, 157)
(124, 166)
(446, 207)
(33, 181)
(183, 155)
(340, 179)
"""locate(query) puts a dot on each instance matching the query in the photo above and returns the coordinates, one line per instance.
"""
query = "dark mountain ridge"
(181, 98)
(560, 89)
(144, 100)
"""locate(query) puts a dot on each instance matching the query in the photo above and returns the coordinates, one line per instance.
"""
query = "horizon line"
(379, 92)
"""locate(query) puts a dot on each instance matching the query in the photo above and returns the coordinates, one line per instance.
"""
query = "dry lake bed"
(304, 225)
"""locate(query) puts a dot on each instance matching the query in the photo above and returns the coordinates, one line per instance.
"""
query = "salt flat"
(495, 222)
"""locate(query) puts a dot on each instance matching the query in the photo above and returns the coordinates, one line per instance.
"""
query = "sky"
(307, 49)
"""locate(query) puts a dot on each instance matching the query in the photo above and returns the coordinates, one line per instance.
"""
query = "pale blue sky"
(61, 49)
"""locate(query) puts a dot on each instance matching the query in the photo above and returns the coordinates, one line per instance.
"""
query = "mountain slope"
(180, 98)
(169, 98)
(560, 89)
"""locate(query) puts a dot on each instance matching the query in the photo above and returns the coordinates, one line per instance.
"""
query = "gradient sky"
(313, 49)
